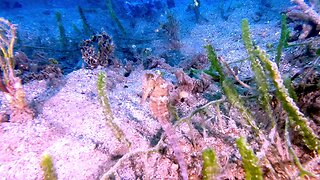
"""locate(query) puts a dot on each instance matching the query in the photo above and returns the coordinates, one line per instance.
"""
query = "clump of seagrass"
(48, 168)
(98, 50)
(104, 100)
(216, 71)
(157, 88)
(11, 85)
(297, 120)
(229, 89)
(293, 154)
(261, 66)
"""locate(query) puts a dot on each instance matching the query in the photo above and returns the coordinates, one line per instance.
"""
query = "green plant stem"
(107, 110)
(114, 17)
(297, 119)
(293, 154)
(260, 77)
(62, 31)
(234, 98)
(283, 38)
(86, 27)
(47, 168)
(210, 164)
(249, 160)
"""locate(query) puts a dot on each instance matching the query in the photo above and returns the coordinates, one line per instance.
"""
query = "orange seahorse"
(156, 87)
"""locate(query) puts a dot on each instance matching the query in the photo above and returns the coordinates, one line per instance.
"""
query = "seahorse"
(157, 88)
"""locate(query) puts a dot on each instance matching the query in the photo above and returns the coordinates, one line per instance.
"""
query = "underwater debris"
(173, 55)
(156, 62)
(21, 61)
(198, 61)
(309, 97)
(98, 50)
(36, 69)
(195, 7)
(308, 14)
(51, 72)
(304, 12)
(193, 85)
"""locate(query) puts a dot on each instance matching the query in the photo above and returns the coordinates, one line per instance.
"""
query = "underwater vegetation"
(261, 65)
(210, 167)
(114, 17)
(11, 85)
(48, 168)
(62, 31)
(175, 95)
(85, 25)
(104, 100)
(249, 160)
(155, 87)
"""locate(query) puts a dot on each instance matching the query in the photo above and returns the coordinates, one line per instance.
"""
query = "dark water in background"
(131, 23)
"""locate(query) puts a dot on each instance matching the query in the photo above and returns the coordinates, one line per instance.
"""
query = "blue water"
(137, 27)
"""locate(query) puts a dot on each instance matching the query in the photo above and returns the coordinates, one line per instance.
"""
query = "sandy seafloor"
(70, 124)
